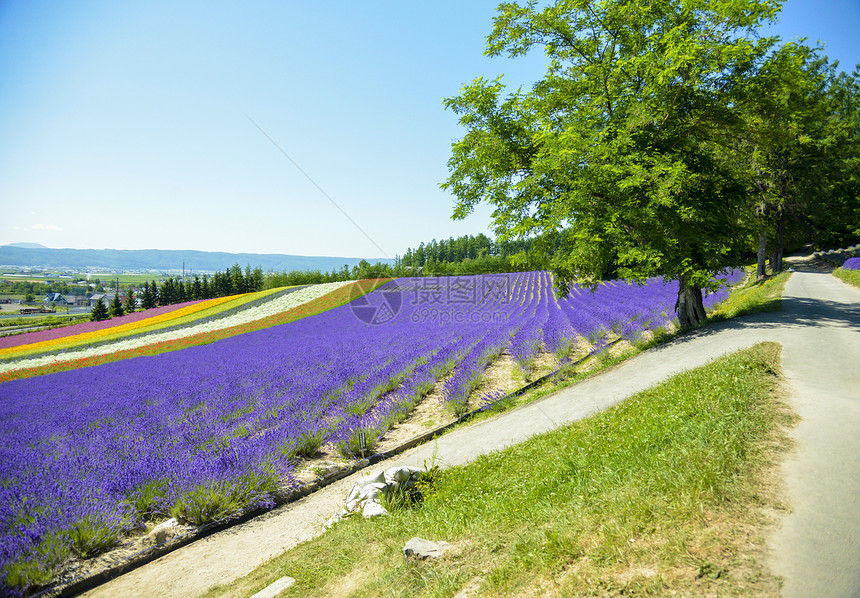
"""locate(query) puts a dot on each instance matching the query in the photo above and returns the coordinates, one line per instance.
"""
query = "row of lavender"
(104, 447)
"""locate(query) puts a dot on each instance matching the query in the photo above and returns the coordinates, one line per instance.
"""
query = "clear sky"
(308, 128)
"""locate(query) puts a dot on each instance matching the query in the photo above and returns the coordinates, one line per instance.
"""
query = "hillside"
(161, 259)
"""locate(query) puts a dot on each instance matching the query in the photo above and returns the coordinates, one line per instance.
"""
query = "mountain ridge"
(32, 255)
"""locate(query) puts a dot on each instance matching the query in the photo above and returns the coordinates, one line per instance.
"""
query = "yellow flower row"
(146, 322)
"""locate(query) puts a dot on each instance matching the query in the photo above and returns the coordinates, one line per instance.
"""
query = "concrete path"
(816, 548)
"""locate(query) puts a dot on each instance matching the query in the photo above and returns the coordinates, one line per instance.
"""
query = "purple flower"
(125, 440)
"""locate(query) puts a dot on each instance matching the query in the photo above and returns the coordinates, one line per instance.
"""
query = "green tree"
(237, 279)
(834, 211)
(99, 311)
(130, 301)
(256, 278)
(116, 309)
(785, 141)
(149, 297)
(622, 155)
(166, 293)
(196, 288)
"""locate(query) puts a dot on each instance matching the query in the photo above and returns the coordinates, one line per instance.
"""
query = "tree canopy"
(634, 148)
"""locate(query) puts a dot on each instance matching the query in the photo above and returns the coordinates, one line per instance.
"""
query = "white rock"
(377, 477)
(164, 531)
(419, 548)
(372, 508)
(399, 475)
(371, 492)
(275, 588)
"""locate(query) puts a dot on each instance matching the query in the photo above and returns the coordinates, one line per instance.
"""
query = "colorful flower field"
(99, 332)
(195, 433)
(93, 328)
(194, 321)
(153, 346)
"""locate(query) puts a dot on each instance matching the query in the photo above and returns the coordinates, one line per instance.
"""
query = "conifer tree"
(149, 295)
(130, 301)
(116, 309)
(99, 311)
(166, 293)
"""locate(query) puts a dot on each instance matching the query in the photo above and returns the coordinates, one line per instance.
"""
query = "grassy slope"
(660, 494)
(754, 297)
(852, 277)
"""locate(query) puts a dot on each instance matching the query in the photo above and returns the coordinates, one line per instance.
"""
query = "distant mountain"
(26, 245)
(39, 256)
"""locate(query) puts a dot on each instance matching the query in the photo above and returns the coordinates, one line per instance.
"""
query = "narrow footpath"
(816, 546)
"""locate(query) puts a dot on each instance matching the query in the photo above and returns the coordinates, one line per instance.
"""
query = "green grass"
(661, 494)
(754, 297)
(54, 320)
(852, 277)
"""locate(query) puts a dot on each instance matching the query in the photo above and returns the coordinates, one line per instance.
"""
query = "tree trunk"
(780, 245)
(689, 307)
(762, 253)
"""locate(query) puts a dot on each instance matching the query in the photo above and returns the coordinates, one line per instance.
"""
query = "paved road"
(817, 546)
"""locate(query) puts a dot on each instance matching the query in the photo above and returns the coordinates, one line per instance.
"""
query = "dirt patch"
(429, 414)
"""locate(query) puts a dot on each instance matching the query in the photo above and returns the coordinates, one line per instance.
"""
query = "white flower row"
(270, 308)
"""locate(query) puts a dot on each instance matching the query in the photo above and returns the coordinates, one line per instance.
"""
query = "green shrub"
(40, 568)
(150, 499)
(309, 443)
(350, 447)
(219, 500)
(93, 535)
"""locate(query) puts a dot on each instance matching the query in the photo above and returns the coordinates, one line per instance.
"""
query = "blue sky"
(137, 124)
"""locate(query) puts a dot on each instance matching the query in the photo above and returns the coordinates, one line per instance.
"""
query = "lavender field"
(201, 432)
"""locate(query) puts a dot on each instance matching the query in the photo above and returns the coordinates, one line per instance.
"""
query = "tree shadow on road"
(797, 312)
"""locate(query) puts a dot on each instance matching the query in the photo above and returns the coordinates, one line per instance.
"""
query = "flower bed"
(242, 316)
(217, 424)
(53, 334)
(309, 304)
(120, 328)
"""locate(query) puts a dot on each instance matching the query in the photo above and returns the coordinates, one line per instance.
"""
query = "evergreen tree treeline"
(453, 256)
(234, 281)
